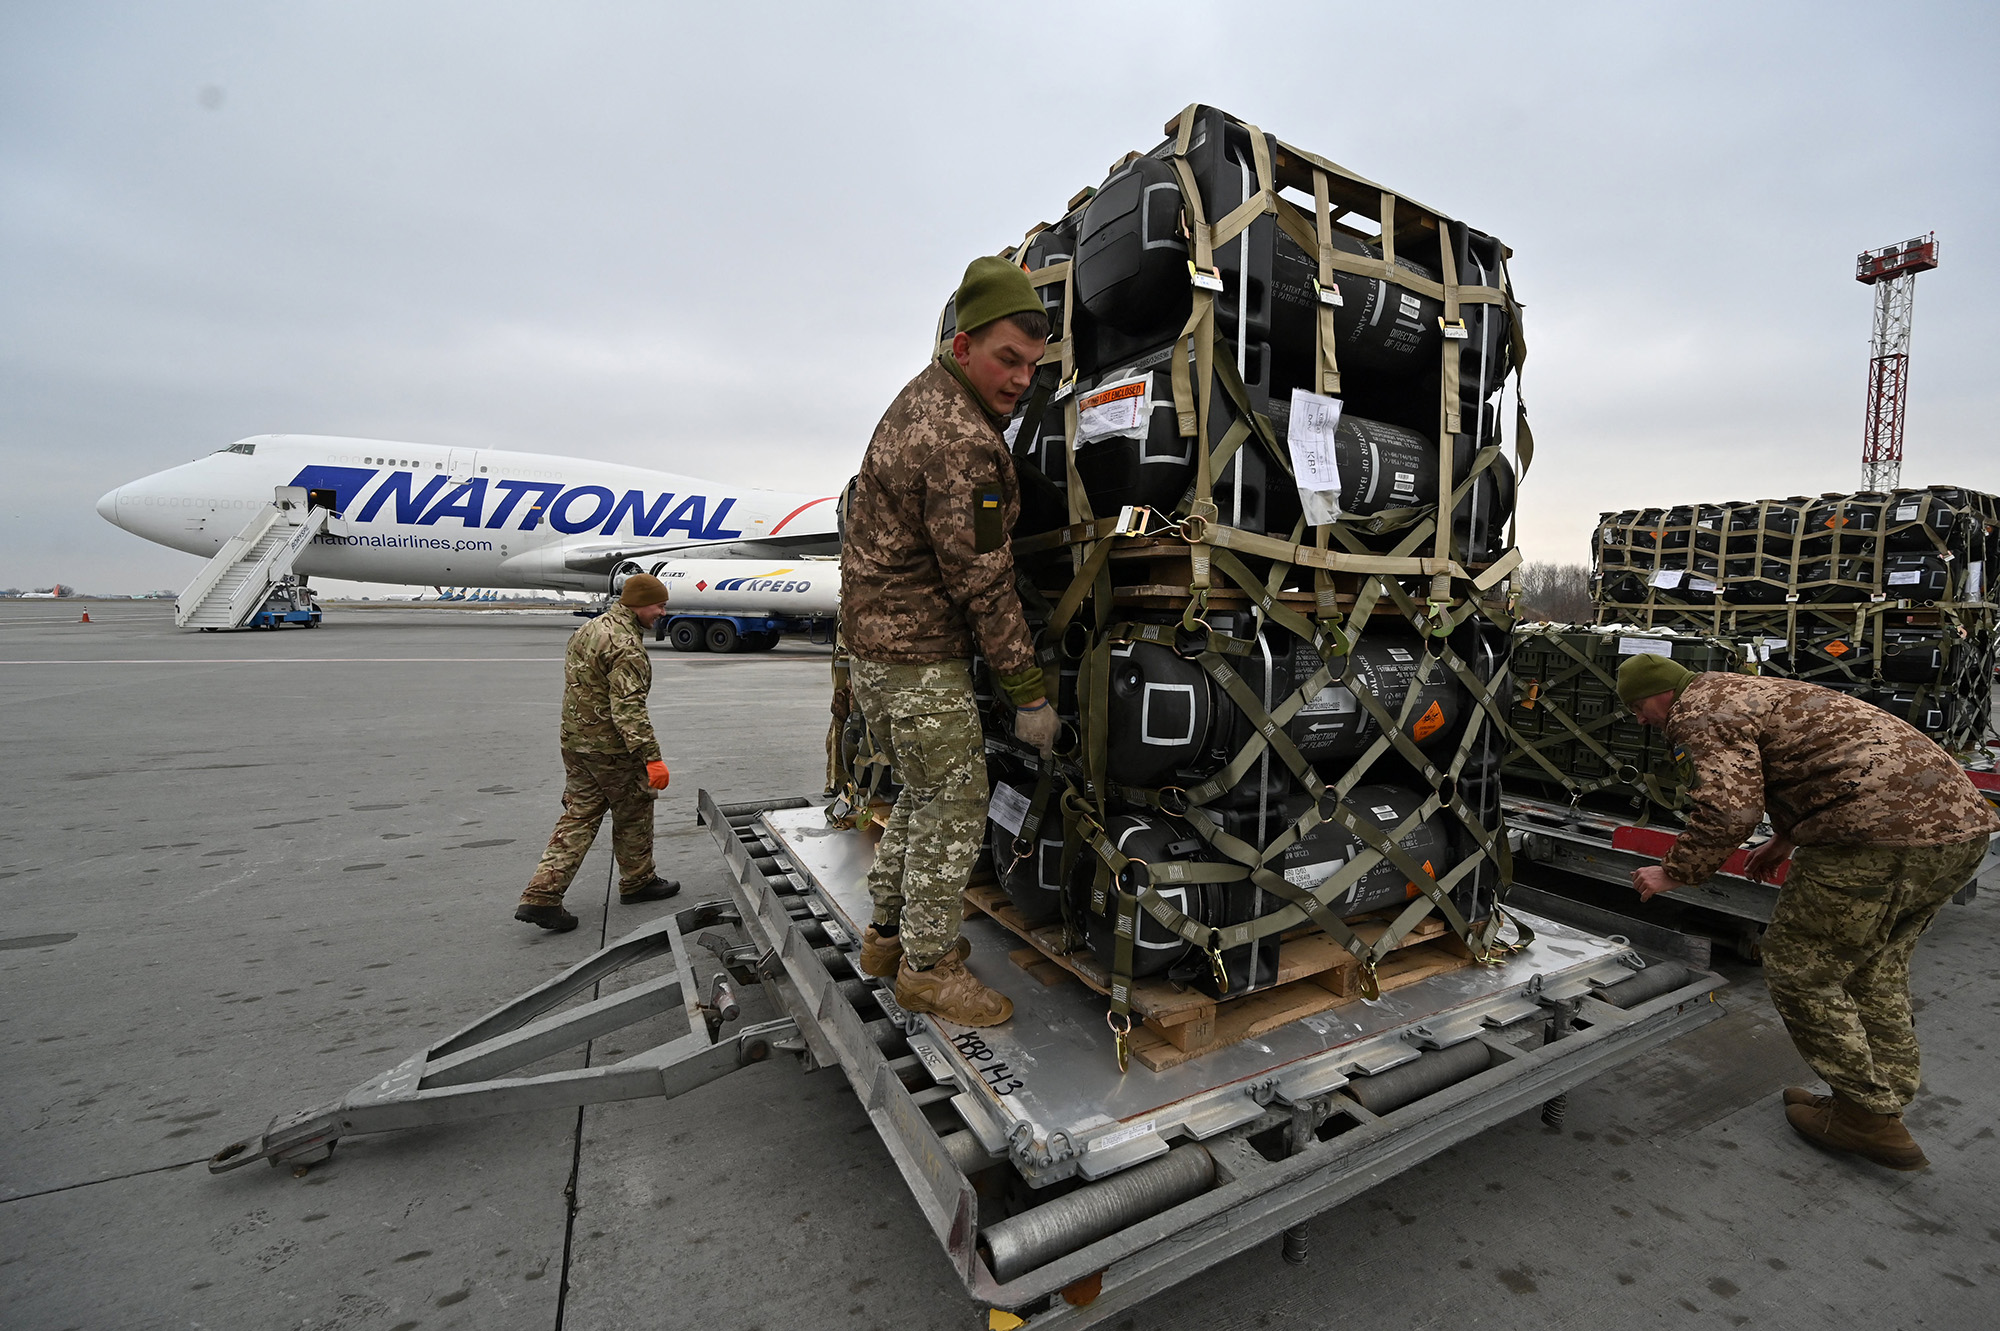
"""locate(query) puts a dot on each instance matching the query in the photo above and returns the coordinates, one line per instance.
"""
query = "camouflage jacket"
(926, 571)
(606, 676)
(1827, 769)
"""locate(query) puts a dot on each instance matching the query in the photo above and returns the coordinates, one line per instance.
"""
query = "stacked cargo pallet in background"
(1880, 595)
(1280, 689)
(1883, 596)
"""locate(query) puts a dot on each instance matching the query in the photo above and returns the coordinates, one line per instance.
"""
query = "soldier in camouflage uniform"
(1887, 829)
(926, 576)
(611, 760)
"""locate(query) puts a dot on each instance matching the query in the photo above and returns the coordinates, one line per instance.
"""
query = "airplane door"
(463, 463)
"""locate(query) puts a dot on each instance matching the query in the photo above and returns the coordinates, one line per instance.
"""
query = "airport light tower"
(1892, 271)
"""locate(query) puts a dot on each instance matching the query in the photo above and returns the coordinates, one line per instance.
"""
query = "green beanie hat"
(1643, 676)
(993, 289)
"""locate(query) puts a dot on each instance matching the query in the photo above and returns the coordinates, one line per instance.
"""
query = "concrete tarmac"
(241, 873)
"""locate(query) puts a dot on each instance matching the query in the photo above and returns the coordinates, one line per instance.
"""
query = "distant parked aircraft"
(431, 515)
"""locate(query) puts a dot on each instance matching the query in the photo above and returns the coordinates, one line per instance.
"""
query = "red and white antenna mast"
(1892, 271)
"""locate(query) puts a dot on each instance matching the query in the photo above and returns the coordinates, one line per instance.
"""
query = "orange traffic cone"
(85, 619)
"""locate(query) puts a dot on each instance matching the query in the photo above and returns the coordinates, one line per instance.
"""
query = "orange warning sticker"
(1411, 889)
(1428, 724)
(1116, 393)
(1836, 648)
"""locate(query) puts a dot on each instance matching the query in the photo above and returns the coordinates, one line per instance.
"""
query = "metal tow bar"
(465, 1075)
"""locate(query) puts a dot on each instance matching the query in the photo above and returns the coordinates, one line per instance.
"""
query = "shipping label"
(1009, 807)
(1123, 408)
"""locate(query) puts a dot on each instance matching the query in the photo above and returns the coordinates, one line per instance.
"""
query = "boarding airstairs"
(232, 591)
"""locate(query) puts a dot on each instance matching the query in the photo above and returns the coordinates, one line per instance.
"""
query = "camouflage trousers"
(596, 783)
(1837, 959)
(924, 719)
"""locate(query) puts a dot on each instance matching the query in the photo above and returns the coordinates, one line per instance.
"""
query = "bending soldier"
(610, 758)
(926, 575)
(1887, 828)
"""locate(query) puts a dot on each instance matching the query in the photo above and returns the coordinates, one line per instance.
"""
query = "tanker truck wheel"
(761, 642)
(722, 637)
(686, 635)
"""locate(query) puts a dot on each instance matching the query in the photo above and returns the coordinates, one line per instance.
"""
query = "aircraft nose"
(107, 507)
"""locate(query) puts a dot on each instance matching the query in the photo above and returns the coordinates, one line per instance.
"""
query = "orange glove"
(656, 775)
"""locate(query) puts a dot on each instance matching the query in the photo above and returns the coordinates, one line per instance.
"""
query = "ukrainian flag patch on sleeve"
(988, 534)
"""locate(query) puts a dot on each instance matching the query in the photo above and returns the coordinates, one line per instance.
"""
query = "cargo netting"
(1568, 735)
(1881, 595)
(1284, 698)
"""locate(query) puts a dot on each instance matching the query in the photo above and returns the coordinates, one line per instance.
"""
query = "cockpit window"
(245, 449)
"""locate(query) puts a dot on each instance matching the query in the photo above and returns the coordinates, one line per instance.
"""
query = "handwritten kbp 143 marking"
(999, 1078)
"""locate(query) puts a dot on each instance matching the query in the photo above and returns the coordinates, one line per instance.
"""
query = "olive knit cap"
(1643, 676)
(643, 589)
(993, 289)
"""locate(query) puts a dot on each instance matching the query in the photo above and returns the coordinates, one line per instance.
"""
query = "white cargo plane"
(430, 515)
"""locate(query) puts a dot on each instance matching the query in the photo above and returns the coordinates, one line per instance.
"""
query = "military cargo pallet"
(1178, 1023)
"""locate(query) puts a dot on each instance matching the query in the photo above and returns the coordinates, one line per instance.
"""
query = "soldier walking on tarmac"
(927, 575)
(610, 758)
(1887, 828)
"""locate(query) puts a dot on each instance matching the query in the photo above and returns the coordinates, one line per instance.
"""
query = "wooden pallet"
(1177, 1023)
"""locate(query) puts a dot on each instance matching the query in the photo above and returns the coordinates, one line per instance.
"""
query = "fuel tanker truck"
(743, 605)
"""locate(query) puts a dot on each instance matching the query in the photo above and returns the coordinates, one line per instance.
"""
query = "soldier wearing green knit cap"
(1644, 680)
(927, 579)
(1887, 828)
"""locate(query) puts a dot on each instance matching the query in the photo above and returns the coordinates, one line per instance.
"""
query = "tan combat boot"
(883, 957)
(1799, 1095)
(951, 991)
(1842, 1125)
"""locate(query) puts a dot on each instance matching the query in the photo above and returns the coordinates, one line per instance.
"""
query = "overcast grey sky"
(713, 239)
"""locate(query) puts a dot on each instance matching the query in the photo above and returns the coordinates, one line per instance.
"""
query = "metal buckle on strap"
(1327, 295)
(1208, 279)
(1455, 330)
(1133, 521)
(1065, 388)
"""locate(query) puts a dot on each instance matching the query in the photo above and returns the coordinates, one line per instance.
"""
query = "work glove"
(656, 774)
(1037, 725)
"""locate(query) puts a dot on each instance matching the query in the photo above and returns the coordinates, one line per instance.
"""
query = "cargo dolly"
(1604, 846)
(1062, 1190)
